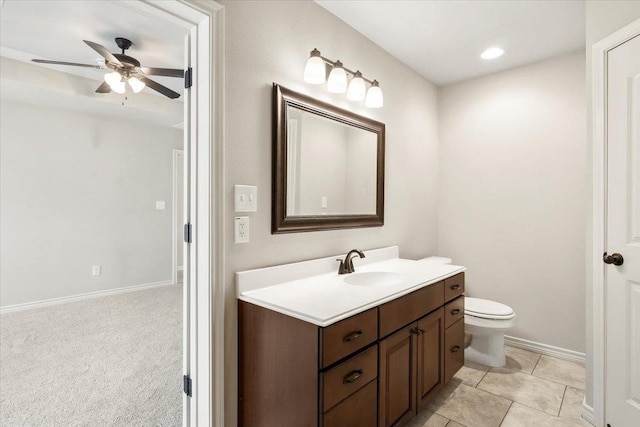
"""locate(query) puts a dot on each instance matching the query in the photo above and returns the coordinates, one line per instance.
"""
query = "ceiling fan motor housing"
(123, 43)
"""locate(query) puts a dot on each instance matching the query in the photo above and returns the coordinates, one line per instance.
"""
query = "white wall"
(79, 190)
(513, 193)
(270, 42)
(603, 18)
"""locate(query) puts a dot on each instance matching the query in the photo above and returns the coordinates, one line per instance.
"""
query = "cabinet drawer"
(453, 287)
(345, 337)
(453, 311)
(359, 410)
(349, 376)
(453, 349)
(404, 310)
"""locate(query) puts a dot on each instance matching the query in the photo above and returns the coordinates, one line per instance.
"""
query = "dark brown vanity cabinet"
(374, 369)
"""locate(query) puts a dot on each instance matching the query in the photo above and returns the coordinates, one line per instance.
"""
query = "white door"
(622, 391)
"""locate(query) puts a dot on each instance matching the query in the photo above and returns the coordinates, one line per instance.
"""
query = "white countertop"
(323, 299)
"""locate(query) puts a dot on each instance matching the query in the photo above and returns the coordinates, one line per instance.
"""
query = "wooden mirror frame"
(280, 222)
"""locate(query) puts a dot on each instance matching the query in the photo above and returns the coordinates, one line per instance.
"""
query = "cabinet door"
(430, 356)
(454, 349)
(397, 377)
(358, 410)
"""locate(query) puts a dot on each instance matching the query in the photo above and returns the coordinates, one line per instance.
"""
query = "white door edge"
(598, 232)
(205, 22)
(177, 156)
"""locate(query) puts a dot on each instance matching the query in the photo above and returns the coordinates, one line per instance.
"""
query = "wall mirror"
(328, 166)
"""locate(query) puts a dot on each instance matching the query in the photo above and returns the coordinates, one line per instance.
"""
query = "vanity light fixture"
(315, 72)
(492, 53)
(337, 81)
(374, 96)
(357, 88)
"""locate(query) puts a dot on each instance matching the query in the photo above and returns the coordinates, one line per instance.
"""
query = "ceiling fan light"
(315, 71)
(374, 96)
(136, 84)
(113, 78)
(115, 82)
(357, 89)
(337, 82)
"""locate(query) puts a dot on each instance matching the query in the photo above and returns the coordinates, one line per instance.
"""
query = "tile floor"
(532, 390)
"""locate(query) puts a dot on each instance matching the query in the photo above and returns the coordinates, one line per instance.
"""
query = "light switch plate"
(241, 229)
(245, 198)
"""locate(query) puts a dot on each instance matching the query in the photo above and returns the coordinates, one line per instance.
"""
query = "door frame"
(175, 159)
(204, 127)
(598, 325)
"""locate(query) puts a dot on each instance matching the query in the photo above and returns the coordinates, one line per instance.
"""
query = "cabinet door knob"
(455, 349)
(352, 376)
(454, 287)
(352, 336)
(455, 311)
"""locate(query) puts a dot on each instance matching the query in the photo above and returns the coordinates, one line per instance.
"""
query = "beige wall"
(79, 190)
(512, 193)
(603, 18)
(270, 42)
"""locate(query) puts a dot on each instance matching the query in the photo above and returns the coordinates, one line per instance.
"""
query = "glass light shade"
(115, 82)
(357, 89)
(136, 84)
(337, 82)
(374, 96)
(315, 71)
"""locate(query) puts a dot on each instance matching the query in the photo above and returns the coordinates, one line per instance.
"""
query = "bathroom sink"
(374, 278)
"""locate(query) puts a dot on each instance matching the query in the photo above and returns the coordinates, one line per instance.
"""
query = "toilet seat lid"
(486, 309)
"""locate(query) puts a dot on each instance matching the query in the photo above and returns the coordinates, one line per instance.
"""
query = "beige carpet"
(107, 361)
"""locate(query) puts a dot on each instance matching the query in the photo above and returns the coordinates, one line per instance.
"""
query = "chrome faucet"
(346, 266)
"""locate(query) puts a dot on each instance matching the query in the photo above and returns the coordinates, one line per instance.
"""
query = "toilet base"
(486, 349)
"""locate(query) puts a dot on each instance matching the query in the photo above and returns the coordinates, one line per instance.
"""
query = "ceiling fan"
(125, 69)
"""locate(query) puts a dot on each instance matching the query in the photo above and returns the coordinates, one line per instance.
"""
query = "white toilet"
(485, 323)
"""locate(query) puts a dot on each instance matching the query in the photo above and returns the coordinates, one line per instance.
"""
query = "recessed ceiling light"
(492, 53)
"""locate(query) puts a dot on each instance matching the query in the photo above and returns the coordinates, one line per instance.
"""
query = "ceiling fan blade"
(168, 72)
(103, 51)
(159, 88)
(75, 64)
(104, 88)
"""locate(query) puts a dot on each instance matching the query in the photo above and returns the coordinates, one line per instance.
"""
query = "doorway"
(203, 267)
(616, 232)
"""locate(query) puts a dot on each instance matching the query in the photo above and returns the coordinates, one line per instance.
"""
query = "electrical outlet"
(96, 270)
(160, 205)
(241, 229)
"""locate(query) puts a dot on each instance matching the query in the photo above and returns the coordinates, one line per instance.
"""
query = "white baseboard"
(72, 298)
(546, 349)
(587, 413)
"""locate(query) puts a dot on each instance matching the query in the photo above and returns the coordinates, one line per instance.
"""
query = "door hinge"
(188, 78)
(187, 233)
(187, 385)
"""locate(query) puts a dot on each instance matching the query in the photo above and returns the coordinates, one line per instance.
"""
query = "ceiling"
(55, 30)
(443, 40)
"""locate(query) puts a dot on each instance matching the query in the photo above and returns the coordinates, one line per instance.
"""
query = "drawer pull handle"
(455, 349)
(417, 331)
(454, 287)
(352, 376)
(352, 336)
(455, 311)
